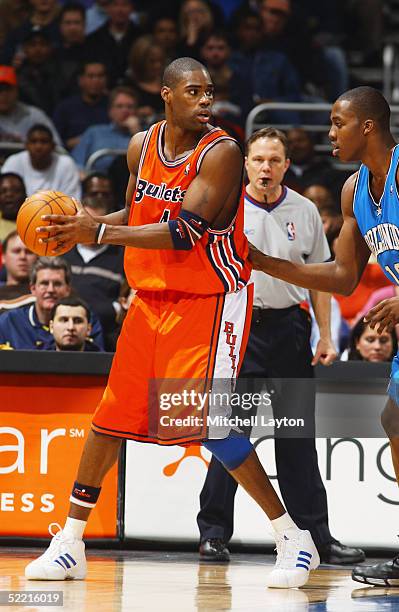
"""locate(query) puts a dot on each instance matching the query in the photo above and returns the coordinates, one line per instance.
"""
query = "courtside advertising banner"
(44, 421)
(357, 473)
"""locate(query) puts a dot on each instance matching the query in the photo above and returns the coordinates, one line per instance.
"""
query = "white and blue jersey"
(379, 225)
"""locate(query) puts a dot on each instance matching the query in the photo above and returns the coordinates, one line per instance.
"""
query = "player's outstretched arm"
(218, 181)
(340, 276)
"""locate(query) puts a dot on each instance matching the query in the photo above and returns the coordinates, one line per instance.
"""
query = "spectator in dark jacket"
(71, 49)
(123, 124)
(76, 113)
(38, 74)
(308, 168)
(27, 327)
(164, 31)
(266, 75)
(43, 16)
(287, 28)
(70, 327)
(110, 44)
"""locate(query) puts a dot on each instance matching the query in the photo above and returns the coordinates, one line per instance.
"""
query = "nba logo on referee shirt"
(290, 230)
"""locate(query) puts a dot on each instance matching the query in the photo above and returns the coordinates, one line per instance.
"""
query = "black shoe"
(386, 573)
(339, 554)
(214, 549)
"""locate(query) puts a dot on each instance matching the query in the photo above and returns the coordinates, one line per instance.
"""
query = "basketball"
(30, 217)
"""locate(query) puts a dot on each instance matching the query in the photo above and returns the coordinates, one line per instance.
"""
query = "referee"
(284, 224)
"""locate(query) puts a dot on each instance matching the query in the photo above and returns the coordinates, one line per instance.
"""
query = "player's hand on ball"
(385, 315)
(69, 230)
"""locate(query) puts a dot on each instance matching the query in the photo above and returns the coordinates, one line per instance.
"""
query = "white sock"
(283, 523)
(74, 528)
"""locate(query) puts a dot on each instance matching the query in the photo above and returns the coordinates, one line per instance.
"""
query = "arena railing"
(17, 147)
(257, 119)
(9, 148)
(390, 69)
(102, 153)
(390, 73)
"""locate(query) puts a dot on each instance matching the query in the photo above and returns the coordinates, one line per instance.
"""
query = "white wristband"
(101, 231)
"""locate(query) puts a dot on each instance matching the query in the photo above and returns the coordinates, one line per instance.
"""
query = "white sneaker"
(63, 560)
(296, 556)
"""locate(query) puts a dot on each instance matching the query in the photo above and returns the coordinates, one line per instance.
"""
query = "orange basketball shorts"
(171, 336)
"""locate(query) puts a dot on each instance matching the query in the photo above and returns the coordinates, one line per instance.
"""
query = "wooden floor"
(159, 581)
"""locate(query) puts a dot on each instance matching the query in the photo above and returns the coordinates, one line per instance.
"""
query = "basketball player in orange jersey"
(186, 255)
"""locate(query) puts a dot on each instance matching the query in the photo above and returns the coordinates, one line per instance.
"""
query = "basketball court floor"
(150, 581)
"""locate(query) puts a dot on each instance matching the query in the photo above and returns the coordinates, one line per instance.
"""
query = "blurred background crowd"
(78, 79)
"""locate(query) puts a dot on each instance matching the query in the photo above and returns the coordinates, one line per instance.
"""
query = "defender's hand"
(385, 315)
(256, 257)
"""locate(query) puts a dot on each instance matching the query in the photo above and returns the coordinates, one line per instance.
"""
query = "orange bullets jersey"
(218, 261)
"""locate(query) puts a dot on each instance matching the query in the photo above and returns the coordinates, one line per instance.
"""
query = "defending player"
(187, 257)
(360, 130)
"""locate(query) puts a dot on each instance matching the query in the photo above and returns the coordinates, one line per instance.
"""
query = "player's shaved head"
(177, 69)
(368, 103)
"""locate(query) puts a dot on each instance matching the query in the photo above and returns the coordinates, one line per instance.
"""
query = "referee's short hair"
(268, 132)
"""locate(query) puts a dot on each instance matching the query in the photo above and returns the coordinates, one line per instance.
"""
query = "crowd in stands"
(80, 76)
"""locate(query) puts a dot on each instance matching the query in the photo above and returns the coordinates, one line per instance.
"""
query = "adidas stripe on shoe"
(296, 556)
(63, 560)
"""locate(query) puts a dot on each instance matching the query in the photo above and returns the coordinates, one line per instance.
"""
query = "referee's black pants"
(278, 348)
